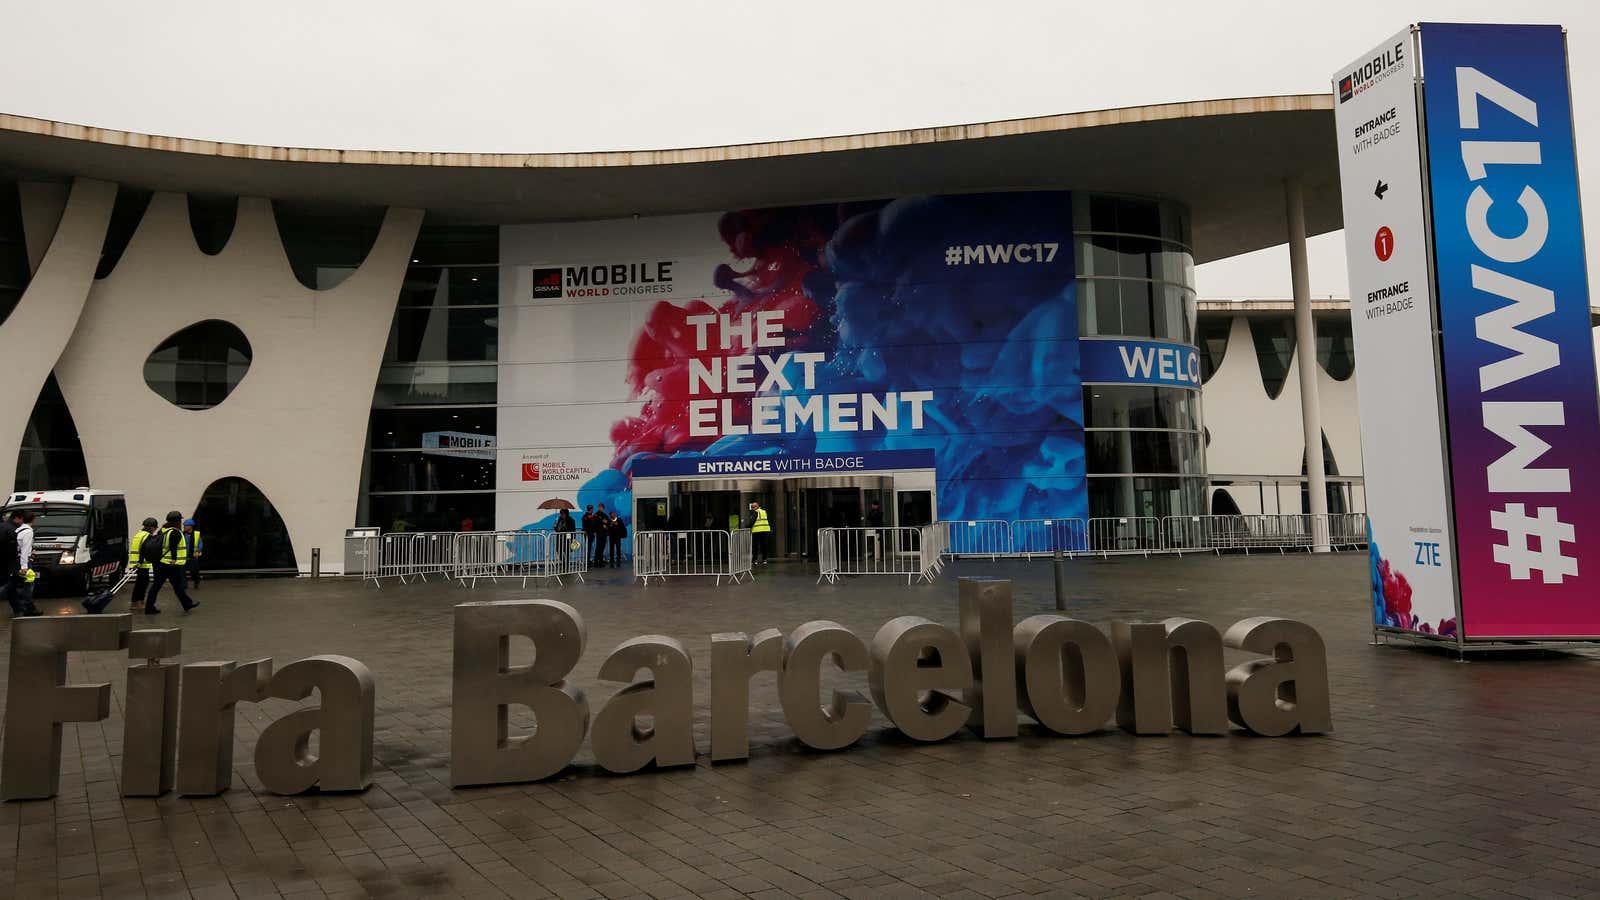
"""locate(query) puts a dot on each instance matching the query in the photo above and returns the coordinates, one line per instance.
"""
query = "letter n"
(1171, 675)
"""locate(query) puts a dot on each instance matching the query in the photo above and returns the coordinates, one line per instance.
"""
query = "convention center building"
(992, 321)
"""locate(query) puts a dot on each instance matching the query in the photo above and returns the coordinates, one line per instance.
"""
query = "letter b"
(485, 685)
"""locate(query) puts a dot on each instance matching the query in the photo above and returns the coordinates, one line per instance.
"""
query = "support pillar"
(1305, 348)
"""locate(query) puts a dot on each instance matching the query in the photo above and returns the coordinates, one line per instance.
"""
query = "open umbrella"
(557, 503)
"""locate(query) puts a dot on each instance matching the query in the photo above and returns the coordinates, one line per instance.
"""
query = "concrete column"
(1305, 348)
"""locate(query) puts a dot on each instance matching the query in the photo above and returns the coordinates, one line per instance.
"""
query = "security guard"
(760, 532)
(191, 535)
(136, 561)
(170, 567)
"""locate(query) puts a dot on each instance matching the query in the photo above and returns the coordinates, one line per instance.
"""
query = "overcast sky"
(634, 74)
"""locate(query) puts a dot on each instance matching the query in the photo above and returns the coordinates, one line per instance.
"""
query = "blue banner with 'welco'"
(1139, 362)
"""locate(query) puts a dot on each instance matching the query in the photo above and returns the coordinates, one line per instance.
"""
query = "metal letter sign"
(1519, 371)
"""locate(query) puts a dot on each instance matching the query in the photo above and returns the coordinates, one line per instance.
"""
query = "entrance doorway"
(796, 507)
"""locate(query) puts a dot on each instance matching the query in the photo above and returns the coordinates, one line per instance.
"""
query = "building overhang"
(1225, 159)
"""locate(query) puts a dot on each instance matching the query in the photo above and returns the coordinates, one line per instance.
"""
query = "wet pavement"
(1439, 779)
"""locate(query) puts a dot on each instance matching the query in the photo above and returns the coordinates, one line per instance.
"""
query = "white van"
(80, 537)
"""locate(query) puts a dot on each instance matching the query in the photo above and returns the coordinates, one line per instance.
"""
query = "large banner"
(944, 325)
(1391, 316)
(1519, 364)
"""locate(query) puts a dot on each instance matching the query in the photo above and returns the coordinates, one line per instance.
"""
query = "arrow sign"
(1380, 190)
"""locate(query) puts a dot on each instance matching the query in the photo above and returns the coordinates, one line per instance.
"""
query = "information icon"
(1383, 244)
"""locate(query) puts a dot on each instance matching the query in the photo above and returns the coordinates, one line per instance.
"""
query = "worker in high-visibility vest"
(760, 532)
(191, 535)
(170, 566)
(137, 562)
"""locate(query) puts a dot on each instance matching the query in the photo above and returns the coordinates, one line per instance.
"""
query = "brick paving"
(1440, 779)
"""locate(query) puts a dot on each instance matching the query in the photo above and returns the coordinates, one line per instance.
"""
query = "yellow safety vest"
(194, 541)
(170, 555)
(760, 523)
(133, 550)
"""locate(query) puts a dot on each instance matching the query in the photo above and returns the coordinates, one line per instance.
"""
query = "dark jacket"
(8, 548)
(565, 523)
(618, 529)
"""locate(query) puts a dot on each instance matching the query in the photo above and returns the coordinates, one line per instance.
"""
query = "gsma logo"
(1346, 91)
(546, 283)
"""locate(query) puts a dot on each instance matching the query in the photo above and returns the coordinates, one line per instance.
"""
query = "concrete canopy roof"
(1225, 159)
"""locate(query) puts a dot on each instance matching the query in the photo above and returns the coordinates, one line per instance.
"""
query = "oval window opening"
(198, 367)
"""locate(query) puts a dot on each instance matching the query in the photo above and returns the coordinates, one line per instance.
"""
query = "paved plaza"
(1439, 779)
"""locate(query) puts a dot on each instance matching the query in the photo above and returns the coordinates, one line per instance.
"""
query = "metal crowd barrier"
(1125, 534)
(411, 554)
(1044, 537)
(1281, 532)
(518, 554)
(872, 551)
(935, 545)
(666, 554)
(978, 537)
(1347, 529)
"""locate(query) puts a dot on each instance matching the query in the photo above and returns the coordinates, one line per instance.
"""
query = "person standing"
(616, 531)
(760, 532)
(142, 560)
(602, 525)
(564, 529)
(16, 547)
(191, 535)
(588, 532)
(171, 565)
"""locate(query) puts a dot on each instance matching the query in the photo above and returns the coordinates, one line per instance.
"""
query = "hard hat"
(150, 520)
(188, 521)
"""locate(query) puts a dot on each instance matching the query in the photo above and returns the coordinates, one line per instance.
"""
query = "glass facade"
(1144, 444)
(430, 459)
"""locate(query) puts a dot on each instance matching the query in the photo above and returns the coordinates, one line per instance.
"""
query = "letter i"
(150, 728)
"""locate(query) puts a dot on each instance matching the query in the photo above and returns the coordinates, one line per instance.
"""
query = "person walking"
(564, 529)
(16, 558)
(191, 534)
(171, 565)
(141, 559)
(602, 525)
(616, 530)
(760, 532)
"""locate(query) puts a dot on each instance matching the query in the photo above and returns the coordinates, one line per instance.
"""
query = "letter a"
(344, 720)
(621, 743)
(1273, 697)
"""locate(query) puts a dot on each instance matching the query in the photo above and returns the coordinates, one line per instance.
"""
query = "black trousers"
(616, 548)
(19, 594)
(164, 574)
(141, 585)
(597, 545)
